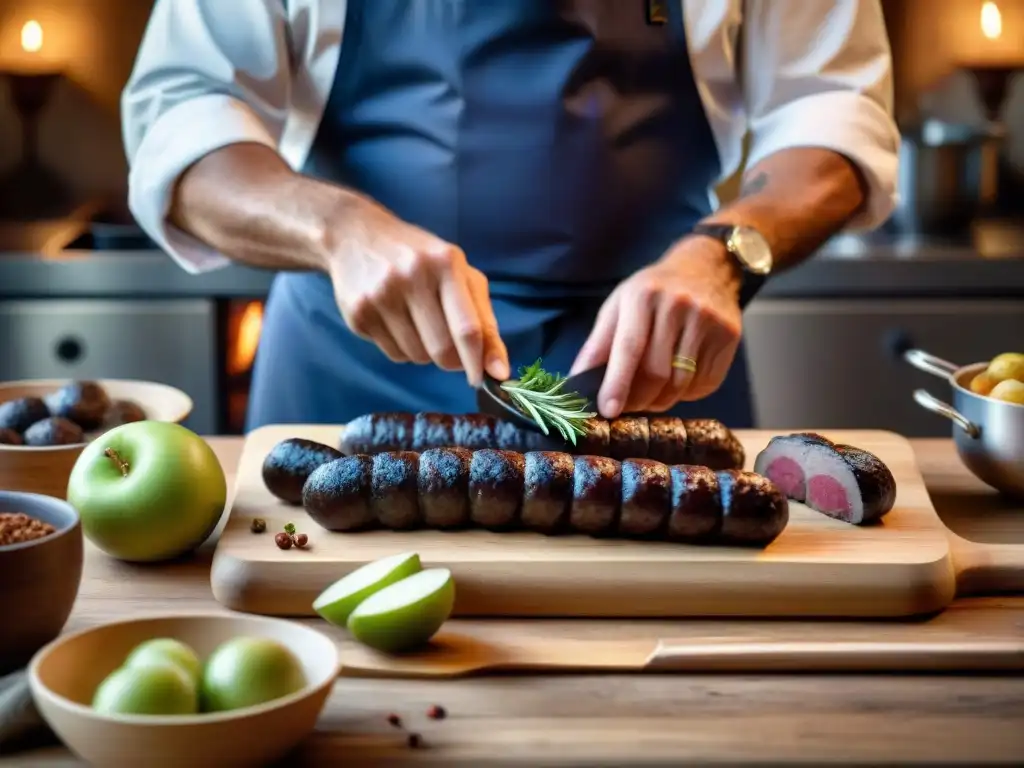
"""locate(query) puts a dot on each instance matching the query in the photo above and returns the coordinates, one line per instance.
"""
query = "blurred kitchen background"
(84, 294)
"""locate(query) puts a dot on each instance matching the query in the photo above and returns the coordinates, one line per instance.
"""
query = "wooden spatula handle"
(838, 657)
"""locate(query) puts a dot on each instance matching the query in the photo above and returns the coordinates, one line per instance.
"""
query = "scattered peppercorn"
(258, 525)
(414, 740)
(436, 712)
(395, 720)
(289, 528)
(300, 540)
(283, 540)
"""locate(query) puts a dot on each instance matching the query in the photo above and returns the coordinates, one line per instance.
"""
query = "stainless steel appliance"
(948, 176)
(837, 363)
(99, 302)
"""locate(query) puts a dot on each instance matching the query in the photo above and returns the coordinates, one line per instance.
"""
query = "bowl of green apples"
(192, 690)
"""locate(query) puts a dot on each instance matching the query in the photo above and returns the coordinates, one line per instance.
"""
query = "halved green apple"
(407, 613)
(341, 598)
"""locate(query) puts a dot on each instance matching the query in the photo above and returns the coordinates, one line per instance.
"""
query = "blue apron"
(562, 144)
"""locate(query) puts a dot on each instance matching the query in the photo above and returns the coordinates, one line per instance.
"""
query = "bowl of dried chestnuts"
(45, 424)
(40, 572)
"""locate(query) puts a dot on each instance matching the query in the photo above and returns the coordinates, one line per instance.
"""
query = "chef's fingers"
(718, 350)
(495, 354)
(689, 345)
(656, 370)
(428, 317)
(632, 334)
(598, 345)
(463, 324)
(371, 327)
(398, 321)
(365, 321)
(688, 351)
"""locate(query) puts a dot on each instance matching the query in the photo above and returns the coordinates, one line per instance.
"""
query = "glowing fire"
(991, 21)
(249, 325)
(32, 37)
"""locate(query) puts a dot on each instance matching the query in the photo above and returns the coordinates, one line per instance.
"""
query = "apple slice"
(407, 613)
(341, 598)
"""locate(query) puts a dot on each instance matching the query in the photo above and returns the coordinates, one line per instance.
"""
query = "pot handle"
(936, 366)
(939, 408)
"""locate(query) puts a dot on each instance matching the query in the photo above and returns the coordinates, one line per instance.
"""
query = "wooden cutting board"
(817, 567)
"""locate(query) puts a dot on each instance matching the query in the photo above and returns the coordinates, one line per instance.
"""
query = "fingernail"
(612, 408)
(498, 368)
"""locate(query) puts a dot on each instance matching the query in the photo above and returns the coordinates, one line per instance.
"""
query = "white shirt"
(209, 73)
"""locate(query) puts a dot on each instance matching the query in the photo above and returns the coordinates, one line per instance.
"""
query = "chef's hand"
(414, 295)
(686, 304)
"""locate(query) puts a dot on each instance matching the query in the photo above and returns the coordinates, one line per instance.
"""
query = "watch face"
(752, 249)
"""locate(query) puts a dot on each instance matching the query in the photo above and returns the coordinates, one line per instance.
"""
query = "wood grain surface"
(652, 719)
(818, 566)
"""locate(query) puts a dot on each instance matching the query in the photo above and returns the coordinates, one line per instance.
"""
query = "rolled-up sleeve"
(208, 74)
(819, 74)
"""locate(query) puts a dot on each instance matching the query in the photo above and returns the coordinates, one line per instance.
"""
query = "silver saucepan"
(989, 433)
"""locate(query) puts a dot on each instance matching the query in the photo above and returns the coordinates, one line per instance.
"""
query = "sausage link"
(596, 442)
(546, 491)
(290, 463)
(646, 497)
(666, 441)
(444, 487)
(754, 510)
(596, 494)
(337, 494)
(628, 438)
(709, 443)
(495, 488)
(474, 431)
(670, 440)
(394, 489)
(696, 504)
(432, 430)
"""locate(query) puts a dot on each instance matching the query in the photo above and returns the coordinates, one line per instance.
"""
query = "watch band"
(717, 231)
(751, 282)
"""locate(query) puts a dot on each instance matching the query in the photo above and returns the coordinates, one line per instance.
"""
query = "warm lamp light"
(991, 21)
(32, 37)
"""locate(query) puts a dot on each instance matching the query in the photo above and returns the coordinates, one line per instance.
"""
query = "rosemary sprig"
(539, 395)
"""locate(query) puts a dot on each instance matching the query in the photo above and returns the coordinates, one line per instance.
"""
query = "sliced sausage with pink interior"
(840, 481)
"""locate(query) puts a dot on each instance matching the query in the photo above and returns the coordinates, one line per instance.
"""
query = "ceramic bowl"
(46, 470)
(39, 579)
(64, 675)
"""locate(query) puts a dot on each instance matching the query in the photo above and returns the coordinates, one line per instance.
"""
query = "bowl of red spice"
(40, 571)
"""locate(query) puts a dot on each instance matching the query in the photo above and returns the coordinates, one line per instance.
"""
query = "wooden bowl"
(46, 470)
(39, 579)
(64, 675)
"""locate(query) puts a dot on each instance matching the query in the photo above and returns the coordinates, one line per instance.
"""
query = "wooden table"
(638, 719)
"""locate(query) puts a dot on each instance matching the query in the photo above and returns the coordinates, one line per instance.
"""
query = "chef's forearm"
(247, 203)
(797, 199)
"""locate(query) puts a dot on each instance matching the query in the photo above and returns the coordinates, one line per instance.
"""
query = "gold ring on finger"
(684, 363)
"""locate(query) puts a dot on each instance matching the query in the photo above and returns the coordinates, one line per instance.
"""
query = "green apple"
(147, 689)
(167, 650)
(406, 614)
(148, 491)
(340, 599)
(247, 671)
